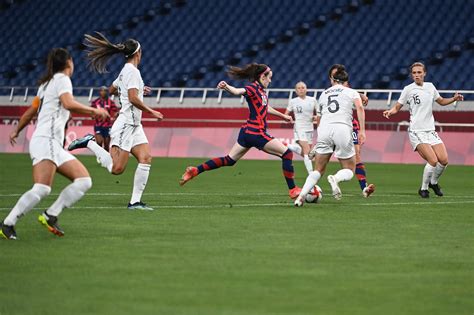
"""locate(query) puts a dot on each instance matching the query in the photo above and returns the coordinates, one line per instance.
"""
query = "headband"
(137, 49)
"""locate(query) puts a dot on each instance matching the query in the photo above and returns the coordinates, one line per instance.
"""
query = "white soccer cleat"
(369, 190)
(336, 191)
(299, 201)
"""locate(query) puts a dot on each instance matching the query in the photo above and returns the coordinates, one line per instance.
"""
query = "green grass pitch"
(230, 242)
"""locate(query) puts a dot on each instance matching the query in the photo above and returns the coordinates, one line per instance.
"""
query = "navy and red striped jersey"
(109, 106)
(355, 124)
(257, 101)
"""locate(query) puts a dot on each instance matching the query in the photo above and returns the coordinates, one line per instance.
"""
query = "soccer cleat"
(424, 193)
(139, 206)
(336, 191)
(80, 142)
(369, 190)
(8, 231)
(189, 174)
(437, 190)
(299, 201)
(312, 153)
(51, 223)
(294, 192)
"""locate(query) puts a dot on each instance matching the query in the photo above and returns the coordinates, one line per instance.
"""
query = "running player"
(127, 135)
(334, 134)
(367, 189)
(254, 132)
(419, 97)
(303, 108)
(102, 127)
(46, 151)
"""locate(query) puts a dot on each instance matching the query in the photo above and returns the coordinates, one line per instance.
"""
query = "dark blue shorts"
(103, 131)
(355, 136)
(251, 139)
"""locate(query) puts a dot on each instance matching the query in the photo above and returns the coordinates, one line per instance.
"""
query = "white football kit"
(48, 137)
(419, 100)
(335, 128)
(127, 130)
(303, 109)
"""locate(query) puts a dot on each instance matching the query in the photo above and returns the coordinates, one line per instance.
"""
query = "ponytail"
(251, 72)
(56, 62)
(101, 50)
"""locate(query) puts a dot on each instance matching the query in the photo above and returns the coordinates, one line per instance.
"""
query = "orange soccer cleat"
(189, 174)
(294, 193)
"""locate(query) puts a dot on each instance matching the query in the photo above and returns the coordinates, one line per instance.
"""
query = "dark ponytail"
(341, 76)
(251, 72)
(101, 49)
(57, 62)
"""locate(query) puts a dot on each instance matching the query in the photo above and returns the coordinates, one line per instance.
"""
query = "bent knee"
(85, 183)
(146, 159)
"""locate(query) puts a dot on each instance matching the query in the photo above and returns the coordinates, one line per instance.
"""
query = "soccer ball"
(315, 195)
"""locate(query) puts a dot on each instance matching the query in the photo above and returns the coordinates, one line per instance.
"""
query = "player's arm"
(113, 90)
(446, 101)
(137, 102)
(392, 111)
(25, 119)
(364, 98)
(361, 117)
(72, 105)
(274, 112)
(229, 88)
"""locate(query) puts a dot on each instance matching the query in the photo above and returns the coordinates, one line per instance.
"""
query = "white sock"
(139, 182)
(311, 180)
(294, 147)
(344, 175)
(439, 169)
(26, 202)
(427, 174)
(70, 195)
(308, 164)
(102, 155)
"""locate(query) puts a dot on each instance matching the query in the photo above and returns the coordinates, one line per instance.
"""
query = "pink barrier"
(381, 146)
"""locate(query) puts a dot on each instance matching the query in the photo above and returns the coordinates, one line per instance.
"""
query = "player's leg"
(99, 139)
(428, 154)
(295, 147)
(344, 174)
(76, 172)
(43, 175)
(305, 148)
(276, 147)
(107, 144)
(442, 155)
(321, 160)
(142, 153)
(367, 189)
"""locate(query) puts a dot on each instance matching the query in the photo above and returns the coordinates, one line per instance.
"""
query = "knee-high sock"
(360, 173)
(214, 163)
(308, 164)
(439, 169)
(102, 155)
(295, 148)
(427, 174)
(288, 170)
(311, 180)
(26, 202)
(343, 175)
(70, 195)
(139, 182)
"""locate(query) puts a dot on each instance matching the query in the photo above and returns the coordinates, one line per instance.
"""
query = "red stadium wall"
(381, 146)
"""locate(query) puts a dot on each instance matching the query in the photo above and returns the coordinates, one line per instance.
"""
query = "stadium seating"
(187, 43)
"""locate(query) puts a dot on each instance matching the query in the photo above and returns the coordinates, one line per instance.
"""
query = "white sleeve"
(132, 80)
(63, 85)
(435, 93)
(320, 107)
(355, 95)
(115, 83)
(290, 106)
(403, 97)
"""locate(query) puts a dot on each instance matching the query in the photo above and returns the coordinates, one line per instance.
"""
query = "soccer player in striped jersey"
(102, 127)
(303, 108)
(46, 146)
(127, 135)
(253, 133)
(419, 97)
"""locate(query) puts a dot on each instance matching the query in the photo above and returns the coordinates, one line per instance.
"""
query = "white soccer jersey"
(129, 78)
(420, 103)
(303, 110)
(336, 105)
(52, 116)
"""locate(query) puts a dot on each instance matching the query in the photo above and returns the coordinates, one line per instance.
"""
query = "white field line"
(286, 205)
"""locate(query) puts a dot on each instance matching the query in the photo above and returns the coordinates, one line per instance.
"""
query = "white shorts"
(44, 148)
(335, 138)
(127, 136)
(303, 136)
(428, 137)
